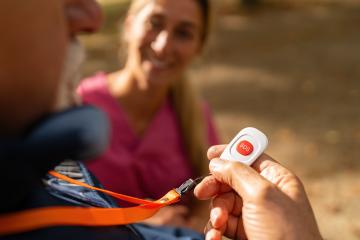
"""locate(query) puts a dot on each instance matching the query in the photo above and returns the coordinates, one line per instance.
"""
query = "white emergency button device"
(246, 147)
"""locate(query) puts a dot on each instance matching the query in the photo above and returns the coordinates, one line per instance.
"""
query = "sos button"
(245, 148)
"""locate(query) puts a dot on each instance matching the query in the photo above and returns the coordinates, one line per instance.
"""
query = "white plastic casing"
(251, 135)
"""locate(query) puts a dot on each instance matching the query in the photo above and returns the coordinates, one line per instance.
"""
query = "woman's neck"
(138, 100)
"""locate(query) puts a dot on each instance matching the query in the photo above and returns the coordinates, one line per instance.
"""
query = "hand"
(263, 202)
(170, 215)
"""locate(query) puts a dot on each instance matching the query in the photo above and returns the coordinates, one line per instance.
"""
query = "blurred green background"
(292, 69)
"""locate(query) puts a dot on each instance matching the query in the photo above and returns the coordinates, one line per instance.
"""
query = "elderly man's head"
(35, 36)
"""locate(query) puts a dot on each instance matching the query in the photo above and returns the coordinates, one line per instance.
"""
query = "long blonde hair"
(192, 123)
(186, 102)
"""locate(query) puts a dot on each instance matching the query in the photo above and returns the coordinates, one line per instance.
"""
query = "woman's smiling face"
(163, 38)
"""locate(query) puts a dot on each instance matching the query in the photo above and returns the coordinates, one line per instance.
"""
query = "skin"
(162, 38)
(264, 202)
(32, 55)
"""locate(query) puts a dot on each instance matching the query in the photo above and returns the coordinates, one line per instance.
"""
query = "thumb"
(242, 178)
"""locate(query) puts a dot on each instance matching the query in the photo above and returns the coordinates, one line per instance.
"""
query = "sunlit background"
(292, 69)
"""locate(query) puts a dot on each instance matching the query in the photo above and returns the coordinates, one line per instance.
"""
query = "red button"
(245, 148)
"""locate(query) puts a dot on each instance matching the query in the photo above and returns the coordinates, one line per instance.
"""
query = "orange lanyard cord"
(115, 195)
(78, 216)
(38, 218)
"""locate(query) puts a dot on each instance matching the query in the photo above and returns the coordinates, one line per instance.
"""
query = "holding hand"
(263, 202)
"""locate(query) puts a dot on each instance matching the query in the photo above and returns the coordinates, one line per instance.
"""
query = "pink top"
(145, 167)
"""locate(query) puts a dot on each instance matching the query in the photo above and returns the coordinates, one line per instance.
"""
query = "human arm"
(264, 202)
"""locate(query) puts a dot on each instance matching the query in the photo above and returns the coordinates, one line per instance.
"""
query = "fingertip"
(197, 192)
(214, 216)
(215, 151)
(218, 217)
(216, 164)
(213, 234)
(211, 151)
(207, 188)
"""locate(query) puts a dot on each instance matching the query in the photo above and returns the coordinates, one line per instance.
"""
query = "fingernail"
(211, 152)
(208, 237)
(213, 149)
(214, 213)
(215, 165)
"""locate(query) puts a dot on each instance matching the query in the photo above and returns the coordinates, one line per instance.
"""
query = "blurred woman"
(160, 130)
